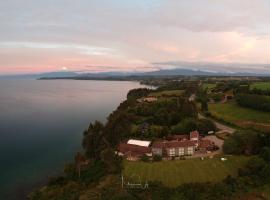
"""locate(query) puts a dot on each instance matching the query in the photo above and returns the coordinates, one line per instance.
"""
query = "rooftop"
(178, 137)
(141, 143)
(133, 149)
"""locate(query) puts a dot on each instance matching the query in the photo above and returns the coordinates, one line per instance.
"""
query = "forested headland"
(96, 171)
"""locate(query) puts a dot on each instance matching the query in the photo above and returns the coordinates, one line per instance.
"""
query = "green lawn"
(177, 172)
(167, 93)
(261, 85)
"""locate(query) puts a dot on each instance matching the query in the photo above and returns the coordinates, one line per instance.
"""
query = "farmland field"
(177, 172)
(242, 117)
(261, 85)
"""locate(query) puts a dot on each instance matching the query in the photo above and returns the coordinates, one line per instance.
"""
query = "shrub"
(157, 158)
(145, 158)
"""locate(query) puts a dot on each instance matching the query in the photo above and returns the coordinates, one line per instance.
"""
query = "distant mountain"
(191, 72)
(38, 76)
(218, 67)
(171, 72)
(178, 71)
(108, 74)
(114, 75)
(59, 74)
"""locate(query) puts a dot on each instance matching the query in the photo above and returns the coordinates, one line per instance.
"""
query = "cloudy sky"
(132, 35)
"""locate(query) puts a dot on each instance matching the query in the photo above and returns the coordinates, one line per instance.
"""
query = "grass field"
(209, 86)
(167, 93)
(261, 85)
(177, 172)
(232, 113)
(242, 117)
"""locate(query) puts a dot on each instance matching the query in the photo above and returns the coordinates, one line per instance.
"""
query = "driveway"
(216, 140)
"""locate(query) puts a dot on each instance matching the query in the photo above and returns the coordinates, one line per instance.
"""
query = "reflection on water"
(41, 125)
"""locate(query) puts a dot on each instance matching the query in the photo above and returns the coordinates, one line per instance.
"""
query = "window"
(190, 151)
(157, 151)
(172, 152)
(181, 151)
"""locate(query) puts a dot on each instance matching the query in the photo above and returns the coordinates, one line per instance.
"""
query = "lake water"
(41, 125)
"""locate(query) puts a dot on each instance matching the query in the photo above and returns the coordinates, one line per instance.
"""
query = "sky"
(133, 35)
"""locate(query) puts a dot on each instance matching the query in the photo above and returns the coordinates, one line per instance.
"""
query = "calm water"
(41, 125)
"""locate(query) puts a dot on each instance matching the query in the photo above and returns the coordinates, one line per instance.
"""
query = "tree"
(231, 146)
(243, 142)
(92, 140)
(257, 102)
(118, 127)
(138, 93)
(217, 96)
(79, 162)
(204, 104)
(265, 153)
(185, 126)
(188, 109)
(202, 98)
(110, 159)
(205, 125)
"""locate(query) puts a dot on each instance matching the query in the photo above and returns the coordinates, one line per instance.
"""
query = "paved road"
(221, 127)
